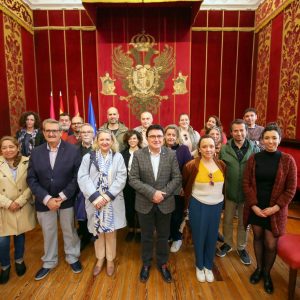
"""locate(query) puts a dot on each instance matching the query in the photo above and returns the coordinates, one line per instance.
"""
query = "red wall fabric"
(65, 61)
(4, 111)
(169, 26)
(222, 61)
(279, 39)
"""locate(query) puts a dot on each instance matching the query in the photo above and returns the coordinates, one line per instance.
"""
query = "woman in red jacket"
(269, 186)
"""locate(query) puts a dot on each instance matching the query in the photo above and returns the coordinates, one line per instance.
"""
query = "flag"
(61, 104)
(76, 109)
(52, 113)
(91, 114)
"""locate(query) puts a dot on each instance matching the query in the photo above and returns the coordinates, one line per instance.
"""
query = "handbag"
(186, 230)
(79, 207)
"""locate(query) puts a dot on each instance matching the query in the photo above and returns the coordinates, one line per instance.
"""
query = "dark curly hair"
(23, 118)
(272, 126)
(129, 134)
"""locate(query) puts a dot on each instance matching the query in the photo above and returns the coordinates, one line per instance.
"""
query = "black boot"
(4, 276)
(268, 284)
(20, 268)
(256, 276)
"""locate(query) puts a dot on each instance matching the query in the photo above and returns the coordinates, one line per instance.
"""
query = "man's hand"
(54, 203)
(158, 196)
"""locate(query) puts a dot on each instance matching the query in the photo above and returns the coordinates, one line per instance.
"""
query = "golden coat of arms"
(143, 71)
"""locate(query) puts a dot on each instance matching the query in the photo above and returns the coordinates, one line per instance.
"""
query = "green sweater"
(235, 170)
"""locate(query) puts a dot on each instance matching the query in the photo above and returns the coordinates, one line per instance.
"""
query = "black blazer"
(43, 180)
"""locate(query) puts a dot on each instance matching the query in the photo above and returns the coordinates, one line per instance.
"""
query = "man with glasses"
(76, 125)
(52, 178)
(235, 155)
(155, 176)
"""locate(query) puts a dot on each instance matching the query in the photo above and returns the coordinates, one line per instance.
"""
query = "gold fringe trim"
(83, 28)
(136, 1)
(10, 14)
(270, 17)
(205, 29)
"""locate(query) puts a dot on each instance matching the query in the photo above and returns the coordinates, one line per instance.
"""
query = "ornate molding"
(268, 10)
(19, 11)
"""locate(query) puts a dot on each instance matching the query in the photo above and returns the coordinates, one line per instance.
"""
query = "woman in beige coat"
(16, 210)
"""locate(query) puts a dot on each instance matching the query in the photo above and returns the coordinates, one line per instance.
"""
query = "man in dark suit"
(155, 176)
(52, 178)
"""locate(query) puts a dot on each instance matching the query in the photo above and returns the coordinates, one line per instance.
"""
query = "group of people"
(149, 178)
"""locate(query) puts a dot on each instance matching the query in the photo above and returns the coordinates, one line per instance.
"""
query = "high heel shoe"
(110, 268)
(98, 267)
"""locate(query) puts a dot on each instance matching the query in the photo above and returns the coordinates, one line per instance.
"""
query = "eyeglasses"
(86, 132)
(54, 131)
(153, 137)
(78, 123)
(210, 175)
(185, 137)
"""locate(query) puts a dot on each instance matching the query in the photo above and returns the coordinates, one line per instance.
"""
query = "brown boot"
(110, 268)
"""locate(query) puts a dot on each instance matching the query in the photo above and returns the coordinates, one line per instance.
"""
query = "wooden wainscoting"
(232, 277)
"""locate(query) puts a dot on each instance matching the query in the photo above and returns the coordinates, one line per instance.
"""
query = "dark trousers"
(83, 231)
(204, 220)
(131, 216)
(155, 220)
(176, 219)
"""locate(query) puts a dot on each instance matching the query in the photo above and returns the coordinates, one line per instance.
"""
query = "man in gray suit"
(155, 176)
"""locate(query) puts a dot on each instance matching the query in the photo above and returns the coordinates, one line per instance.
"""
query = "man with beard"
(76, 125)
(115, 126)
(65, 123)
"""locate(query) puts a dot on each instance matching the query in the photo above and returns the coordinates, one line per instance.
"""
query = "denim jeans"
(19, 241)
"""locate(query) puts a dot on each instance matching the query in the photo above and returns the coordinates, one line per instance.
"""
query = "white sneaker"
(200, 275)
(209, 276)
(176, 246)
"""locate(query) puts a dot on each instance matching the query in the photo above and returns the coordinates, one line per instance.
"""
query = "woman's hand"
(258, 211)
(100, 202)
(14, 207)
(269, 211)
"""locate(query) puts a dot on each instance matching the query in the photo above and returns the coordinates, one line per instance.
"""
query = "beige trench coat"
(15, 223)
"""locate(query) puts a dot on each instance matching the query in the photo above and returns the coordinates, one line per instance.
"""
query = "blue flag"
(91, 115)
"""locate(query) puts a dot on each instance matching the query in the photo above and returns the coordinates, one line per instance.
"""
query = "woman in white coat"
(101, 178)
(17, 213)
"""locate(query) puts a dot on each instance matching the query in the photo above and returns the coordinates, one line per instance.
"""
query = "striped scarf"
(104, 217)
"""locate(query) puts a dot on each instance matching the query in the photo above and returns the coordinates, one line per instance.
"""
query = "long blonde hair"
(114, 147)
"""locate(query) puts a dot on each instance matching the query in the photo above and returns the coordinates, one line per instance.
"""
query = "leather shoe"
(4, 276)
(165, 273)
(268, 284)
(145, 273)
(256, 276)
(110, 268)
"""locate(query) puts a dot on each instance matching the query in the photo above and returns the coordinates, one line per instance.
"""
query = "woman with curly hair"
(30, 134)
(213, 121)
